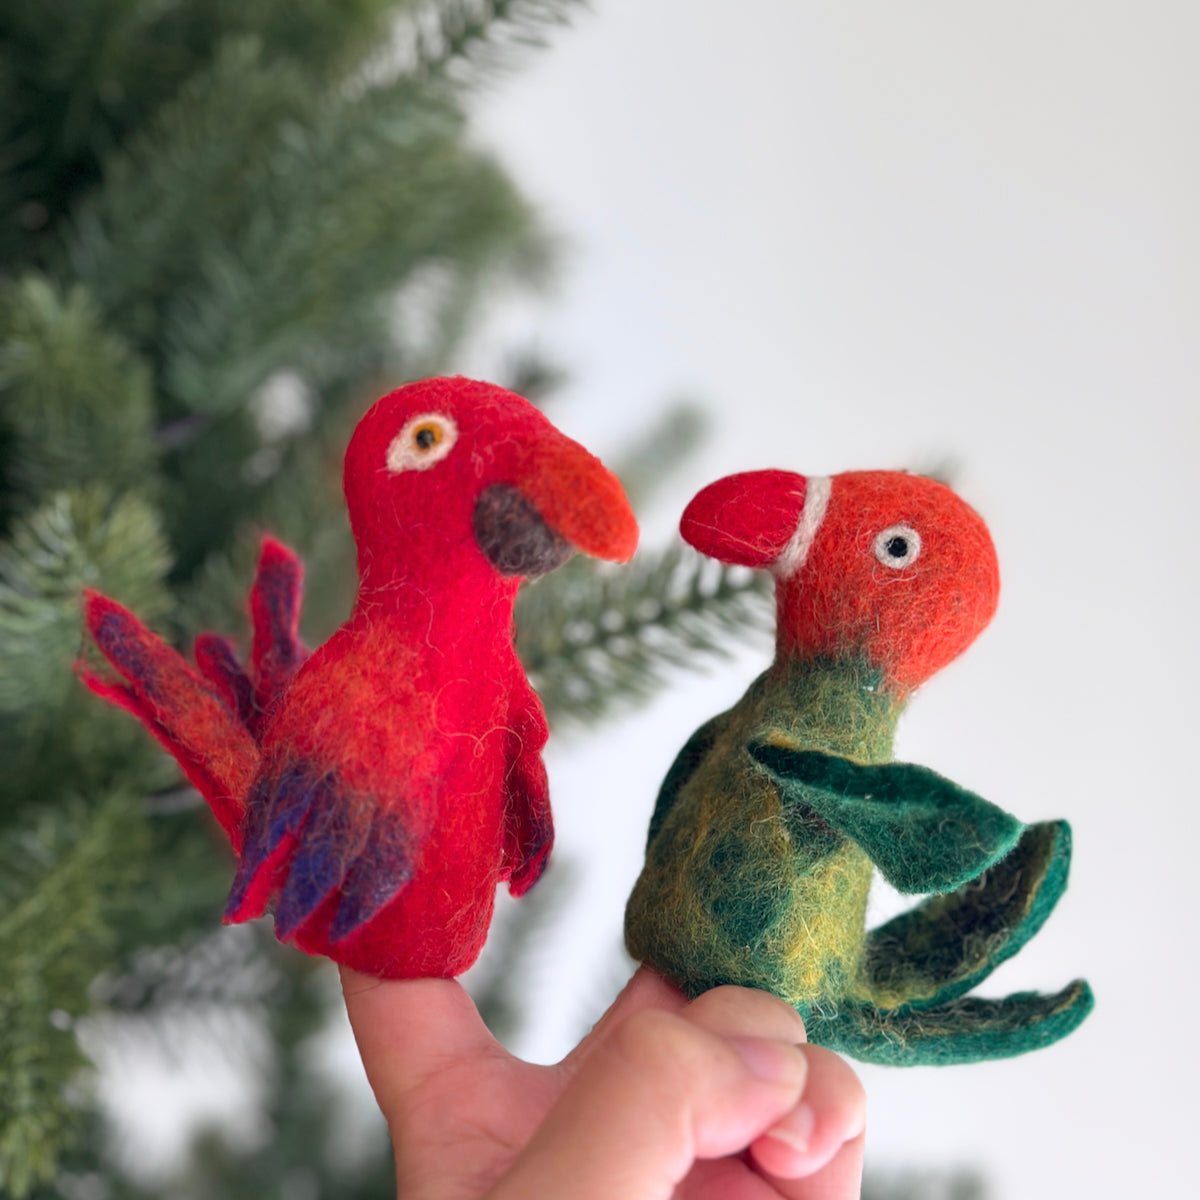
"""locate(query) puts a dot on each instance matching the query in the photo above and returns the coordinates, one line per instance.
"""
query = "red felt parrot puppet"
(379, 790)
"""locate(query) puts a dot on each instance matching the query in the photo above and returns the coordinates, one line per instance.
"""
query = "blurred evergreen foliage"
(226, 226)
(924, 1185)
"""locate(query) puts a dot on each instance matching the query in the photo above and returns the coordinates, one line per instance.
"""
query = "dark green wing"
(963, 1031)
(681, 770)
(924, 833)
(947, 944)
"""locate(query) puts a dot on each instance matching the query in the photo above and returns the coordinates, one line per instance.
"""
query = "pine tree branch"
(591, 637)
(80, 78)
(76, 539)
(486, 35)
(52, 733)
(188, 179)
(57, 879)
(256, 227)
(76, 404)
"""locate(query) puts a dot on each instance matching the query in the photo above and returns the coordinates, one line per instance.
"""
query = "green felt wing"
(963, 1031)
(947, 944)
(924, 833)
(680, 771)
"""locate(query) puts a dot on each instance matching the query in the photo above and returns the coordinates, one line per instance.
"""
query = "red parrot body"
(379, 790)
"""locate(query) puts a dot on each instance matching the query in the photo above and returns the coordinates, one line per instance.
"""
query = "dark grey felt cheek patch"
(513, 536)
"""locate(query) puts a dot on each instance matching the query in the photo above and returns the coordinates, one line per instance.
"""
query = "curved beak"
(752, 519)
(558, 498)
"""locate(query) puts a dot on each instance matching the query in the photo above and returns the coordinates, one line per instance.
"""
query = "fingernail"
(775, 1062)
(797, 1130)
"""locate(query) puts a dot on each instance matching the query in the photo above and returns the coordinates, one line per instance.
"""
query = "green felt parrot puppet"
(774, 816)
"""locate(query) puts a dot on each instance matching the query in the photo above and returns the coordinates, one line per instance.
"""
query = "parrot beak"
(560, 499)
(754, 519)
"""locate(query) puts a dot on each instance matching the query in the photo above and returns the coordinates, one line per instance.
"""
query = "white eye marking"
(897, 546)
(423, 441)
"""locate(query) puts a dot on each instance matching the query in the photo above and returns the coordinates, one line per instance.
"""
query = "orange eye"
(424, 441)
(426, 436)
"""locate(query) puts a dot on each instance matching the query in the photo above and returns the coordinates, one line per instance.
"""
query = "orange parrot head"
(877, 566)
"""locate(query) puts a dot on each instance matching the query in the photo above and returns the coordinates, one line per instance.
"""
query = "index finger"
(409, 1029)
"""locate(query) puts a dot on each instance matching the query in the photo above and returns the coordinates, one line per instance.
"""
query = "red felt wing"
(528, 825)
(321, 859)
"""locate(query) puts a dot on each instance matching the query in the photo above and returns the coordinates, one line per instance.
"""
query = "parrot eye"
(897, 546)
(423, 441)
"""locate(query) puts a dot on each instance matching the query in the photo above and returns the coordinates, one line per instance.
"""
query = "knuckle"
(660, 1045)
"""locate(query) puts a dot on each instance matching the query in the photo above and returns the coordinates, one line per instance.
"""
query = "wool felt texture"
(378, 790)
(775, 815)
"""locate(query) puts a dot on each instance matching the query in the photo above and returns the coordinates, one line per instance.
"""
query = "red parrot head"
(461, 477)
(880, 566)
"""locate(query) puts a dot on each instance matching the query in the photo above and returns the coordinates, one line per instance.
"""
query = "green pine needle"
(75, 404)
(591, 637)
(75, 540)
(50, 728)
(57, 877)
(485, 34)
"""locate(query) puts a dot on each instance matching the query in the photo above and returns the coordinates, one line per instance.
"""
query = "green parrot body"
(782, 902)
(775, 815)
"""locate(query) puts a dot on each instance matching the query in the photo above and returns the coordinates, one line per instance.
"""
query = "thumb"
(407, 1030)
(655, 1095)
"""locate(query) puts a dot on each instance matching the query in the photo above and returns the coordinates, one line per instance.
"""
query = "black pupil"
(897, 547)
(426, 438)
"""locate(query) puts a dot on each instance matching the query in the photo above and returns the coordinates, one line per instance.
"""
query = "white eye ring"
(897, 546)
(424, 441)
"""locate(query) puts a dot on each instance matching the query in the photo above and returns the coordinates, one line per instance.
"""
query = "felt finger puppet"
(774, 816)
(377, 791)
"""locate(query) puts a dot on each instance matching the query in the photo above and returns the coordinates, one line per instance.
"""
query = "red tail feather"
(276, 652)
(178, 706)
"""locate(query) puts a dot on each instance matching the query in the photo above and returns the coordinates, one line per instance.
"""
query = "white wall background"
(876, 235)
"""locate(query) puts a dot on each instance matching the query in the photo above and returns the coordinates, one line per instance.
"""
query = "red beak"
(745, 520)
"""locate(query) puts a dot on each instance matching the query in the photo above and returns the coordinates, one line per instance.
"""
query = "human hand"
(709, 1100)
